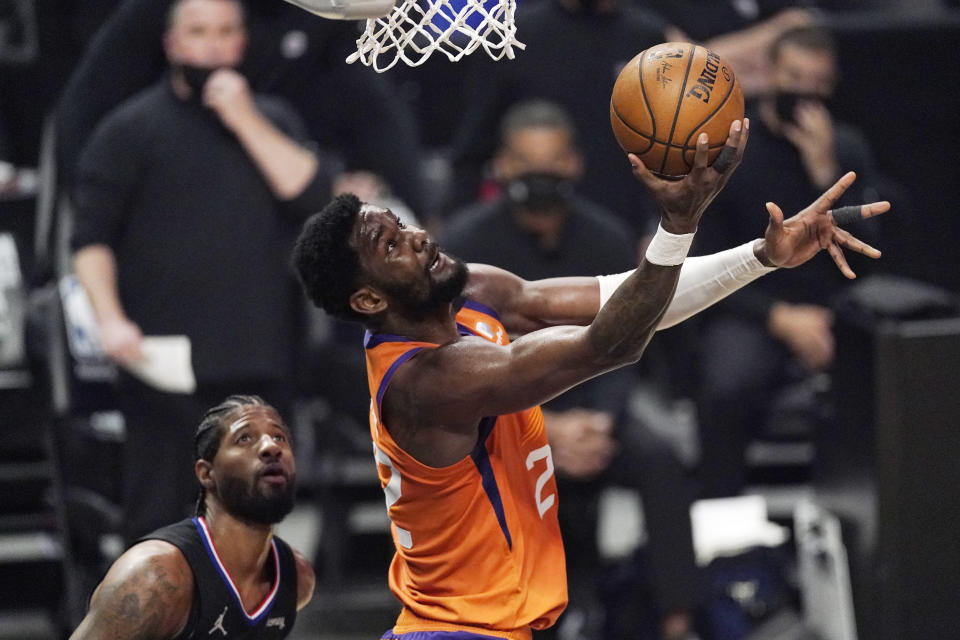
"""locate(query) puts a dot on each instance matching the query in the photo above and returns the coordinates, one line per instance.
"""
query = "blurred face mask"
(787, 101)
(196, 78)
(540, 192)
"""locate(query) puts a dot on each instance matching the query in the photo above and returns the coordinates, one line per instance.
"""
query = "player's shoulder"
(154, 561)
(152, 585)
(306, 578)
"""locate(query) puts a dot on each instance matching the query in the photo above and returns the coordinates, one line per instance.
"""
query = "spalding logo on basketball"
(665, 97)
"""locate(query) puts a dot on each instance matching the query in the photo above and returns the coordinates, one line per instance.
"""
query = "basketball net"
(411, 30)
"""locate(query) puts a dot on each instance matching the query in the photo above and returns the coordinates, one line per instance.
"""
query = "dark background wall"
(901, 84)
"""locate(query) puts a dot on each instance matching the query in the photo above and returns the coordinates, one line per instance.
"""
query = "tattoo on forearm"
(628, 320)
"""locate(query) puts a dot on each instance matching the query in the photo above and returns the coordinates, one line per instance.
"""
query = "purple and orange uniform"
(478, 547)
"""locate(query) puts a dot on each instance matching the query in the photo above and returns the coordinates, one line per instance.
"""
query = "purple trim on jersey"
(370, 340)
(481, 458)
(392, 370)
(438, 635)
(482, 308)
(267, 603)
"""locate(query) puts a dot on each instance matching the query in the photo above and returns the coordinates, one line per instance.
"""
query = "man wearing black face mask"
(575, 49)
(539, 218)
(540, 227)
(185, 197)
(291, 53)
(781, 331)
(194, 77)
(803, 79)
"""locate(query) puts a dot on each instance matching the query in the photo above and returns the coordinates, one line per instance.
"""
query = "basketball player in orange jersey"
(457, 433)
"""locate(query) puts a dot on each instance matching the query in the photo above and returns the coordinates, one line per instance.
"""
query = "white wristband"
(668, 249)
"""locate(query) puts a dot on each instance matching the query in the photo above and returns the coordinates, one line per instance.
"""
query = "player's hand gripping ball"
(665, 97)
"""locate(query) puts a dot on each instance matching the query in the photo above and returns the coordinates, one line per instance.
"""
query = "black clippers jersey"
(217, 611)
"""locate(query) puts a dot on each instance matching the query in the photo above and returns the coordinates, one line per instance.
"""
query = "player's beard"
(252, 504)
(440, 293)
(448, 290)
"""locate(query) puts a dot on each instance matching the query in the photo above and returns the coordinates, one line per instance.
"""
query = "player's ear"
(203, 469)
(367, 301)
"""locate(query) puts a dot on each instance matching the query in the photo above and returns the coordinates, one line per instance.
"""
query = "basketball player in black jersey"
(221, 574)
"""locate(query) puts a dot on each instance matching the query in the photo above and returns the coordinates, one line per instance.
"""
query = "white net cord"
(417, 28)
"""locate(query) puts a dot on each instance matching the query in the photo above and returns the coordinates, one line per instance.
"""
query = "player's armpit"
(527, 305)
(560, 301)
(147, 593)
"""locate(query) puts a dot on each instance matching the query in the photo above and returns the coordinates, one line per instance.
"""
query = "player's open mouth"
(274, 473)
(435, 262)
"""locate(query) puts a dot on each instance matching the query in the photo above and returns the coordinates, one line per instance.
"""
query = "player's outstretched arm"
(705, 280)
(530, 305)
(147, 593)
(464, 380)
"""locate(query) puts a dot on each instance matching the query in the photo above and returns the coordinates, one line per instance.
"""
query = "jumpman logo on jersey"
(218, 625)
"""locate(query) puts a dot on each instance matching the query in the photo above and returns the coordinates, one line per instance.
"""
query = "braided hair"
(206, 441)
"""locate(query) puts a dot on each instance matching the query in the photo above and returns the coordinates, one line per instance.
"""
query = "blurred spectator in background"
(37, 48)
(292, 53)
(779, 332)
(180, 197)
(590, 41)
(7, 168)
(87, 16)
(539, 227)
(18, 31)
(575, 50)
(741, 31)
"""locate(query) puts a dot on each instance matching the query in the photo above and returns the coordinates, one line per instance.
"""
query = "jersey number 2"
(392, 491)
(543, 453)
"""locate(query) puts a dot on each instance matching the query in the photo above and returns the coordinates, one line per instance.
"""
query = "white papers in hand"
(729, 526)
(166, 364)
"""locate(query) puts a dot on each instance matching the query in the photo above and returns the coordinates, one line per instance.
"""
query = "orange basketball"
(665, 97)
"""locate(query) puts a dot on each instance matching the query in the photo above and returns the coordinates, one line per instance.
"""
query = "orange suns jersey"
(478, 544)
